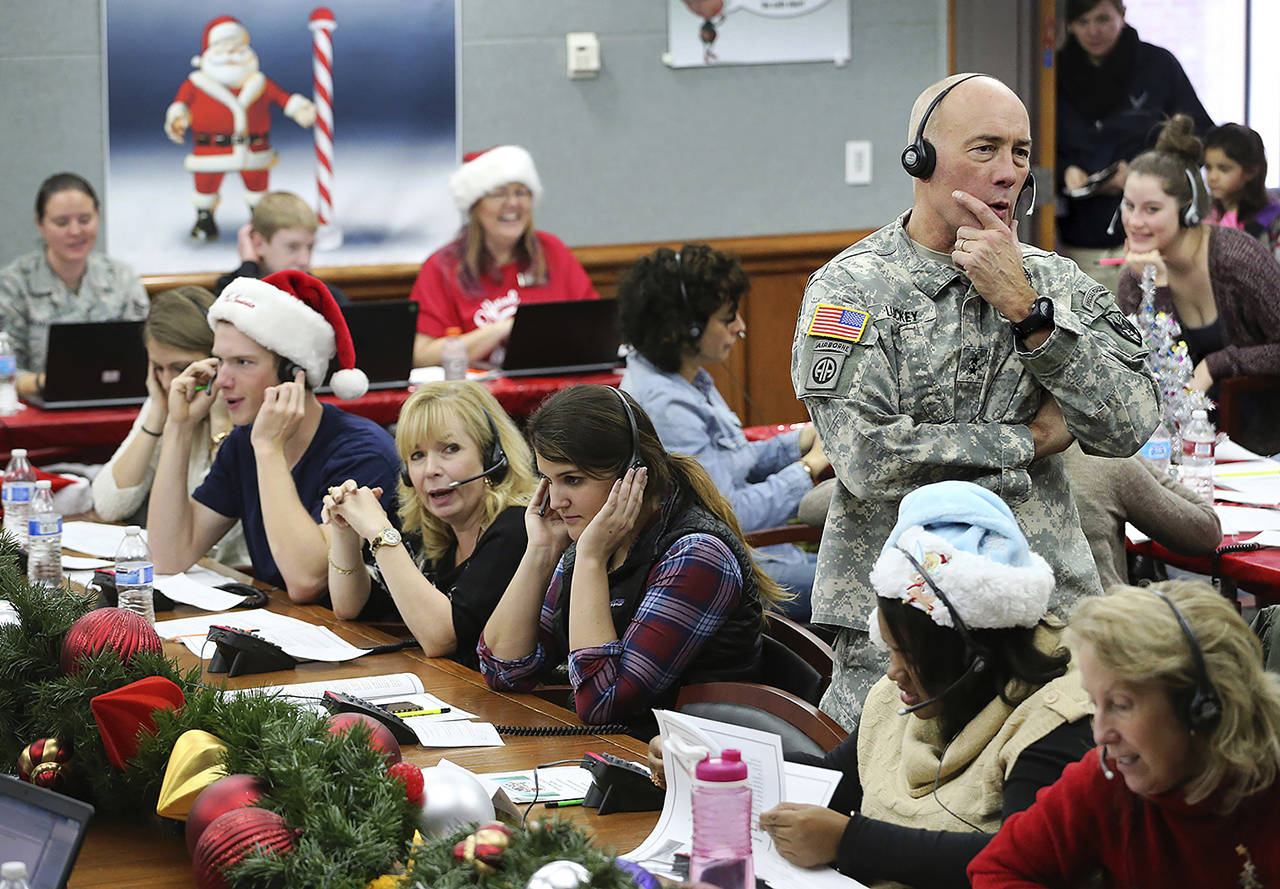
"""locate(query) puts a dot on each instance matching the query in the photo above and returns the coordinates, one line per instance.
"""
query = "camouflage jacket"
(32, 297)
(911, 378)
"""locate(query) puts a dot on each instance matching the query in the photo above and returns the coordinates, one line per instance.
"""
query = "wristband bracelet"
(149, 432)
(336, 567)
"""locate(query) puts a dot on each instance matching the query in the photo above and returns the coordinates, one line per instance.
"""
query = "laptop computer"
(42, 829)
(575, 336)
(94, 364)
(382, 333)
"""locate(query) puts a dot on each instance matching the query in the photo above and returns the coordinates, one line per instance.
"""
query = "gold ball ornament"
(44, 763)
(483, 849)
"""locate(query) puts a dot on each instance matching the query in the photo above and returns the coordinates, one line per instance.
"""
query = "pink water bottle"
(722, 823)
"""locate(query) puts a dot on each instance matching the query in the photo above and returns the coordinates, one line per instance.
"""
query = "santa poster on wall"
(226, 103)
(361, 124)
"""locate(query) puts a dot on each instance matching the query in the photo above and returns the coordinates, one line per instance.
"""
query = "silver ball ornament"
(451, 799)
(559, 875)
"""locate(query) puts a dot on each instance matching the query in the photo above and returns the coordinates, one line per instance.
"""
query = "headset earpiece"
(1199, 707)
(634, 462)
(695, 329)
(1191, 214)
(404, 476)
(495, 461)
(286, 370)
(919, 157)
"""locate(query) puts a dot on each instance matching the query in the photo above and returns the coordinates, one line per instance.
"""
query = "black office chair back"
(783, 668)
(793, 739)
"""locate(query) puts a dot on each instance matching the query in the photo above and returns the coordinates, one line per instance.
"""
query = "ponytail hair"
(1178, 154)
(587, 426)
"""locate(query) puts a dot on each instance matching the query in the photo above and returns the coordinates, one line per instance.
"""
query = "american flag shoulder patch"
(838, 322)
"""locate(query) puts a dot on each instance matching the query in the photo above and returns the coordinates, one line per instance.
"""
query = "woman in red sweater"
(497, 261)
(1183, 790)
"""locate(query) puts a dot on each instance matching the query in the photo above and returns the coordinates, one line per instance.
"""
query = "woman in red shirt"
(1182, 790)
(497, 261)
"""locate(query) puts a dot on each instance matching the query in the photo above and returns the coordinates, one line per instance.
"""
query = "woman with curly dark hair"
(679, 312)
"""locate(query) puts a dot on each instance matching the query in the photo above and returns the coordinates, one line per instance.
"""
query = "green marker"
(563, 803)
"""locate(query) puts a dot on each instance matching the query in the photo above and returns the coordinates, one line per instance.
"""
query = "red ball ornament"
(222, 796)
(380, 737)
(108, 629)
(234, 834)
(411, 777)
(44, 763)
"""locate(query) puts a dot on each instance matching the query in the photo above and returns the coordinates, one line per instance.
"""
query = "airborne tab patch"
(838, 322)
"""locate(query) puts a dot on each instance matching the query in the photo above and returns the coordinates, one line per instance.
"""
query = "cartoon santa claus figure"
(226, 103)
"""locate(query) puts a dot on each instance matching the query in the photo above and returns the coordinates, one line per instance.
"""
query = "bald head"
(981, 85)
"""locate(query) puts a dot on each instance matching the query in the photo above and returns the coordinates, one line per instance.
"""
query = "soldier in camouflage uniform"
(64, 281)
(905, 355)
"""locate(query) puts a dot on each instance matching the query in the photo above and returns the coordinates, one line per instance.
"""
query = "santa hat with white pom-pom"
(294, 315)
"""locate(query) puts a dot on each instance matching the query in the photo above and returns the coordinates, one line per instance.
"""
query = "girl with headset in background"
(635, 570)
(679, 311)
(1184, 790)
(466, 480)
(1221, 285)
(979, 707)
(176, 333)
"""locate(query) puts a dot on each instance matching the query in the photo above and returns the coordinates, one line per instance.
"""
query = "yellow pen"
(433, 712)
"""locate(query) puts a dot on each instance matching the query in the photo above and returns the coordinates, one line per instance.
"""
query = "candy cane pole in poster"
(322, 25)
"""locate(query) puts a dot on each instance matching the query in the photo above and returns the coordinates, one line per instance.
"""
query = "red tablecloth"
(84, 434)
(1257, 572)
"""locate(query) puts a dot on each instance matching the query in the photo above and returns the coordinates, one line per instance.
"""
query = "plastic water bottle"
(134, 573)
(8, 377)
(722, 823)
(453, 355)
(1197, 454)
(1159, 448)
(18, 490)
(44, 538)
(13, 875)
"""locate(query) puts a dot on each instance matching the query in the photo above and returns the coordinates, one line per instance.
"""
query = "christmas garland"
(351, 821)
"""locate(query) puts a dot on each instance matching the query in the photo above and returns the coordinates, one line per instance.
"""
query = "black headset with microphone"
(634, 462)
(1199, 707)
(695, 327)
(975, 652)
(495, 462)
(920, 158)
(1188, 218)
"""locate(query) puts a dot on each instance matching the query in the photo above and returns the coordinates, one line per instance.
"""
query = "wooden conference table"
(93, 434)
(143, 856)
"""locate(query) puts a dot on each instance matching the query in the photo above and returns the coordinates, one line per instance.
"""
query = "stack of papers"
(773, 780)
(1259, 480)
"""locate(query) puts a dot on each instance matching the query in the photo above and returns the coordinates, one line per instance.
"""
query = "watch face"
(390, 537)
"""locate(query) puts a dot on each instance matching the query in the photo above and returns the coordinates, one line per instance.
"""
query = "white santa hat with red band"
(484, 171)
(224, 27)
(293, 314)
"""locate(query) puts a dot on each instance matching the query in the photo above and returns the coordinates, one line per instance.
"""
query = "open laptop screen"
(42, 829)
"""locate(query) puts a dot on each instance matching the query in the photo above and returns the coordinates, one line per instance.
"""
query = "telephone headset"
(920, 158)
(1200, 707)
(286, 370)
(1188, 218)
(635, 462)
(976, 653)
(495, 461)
(695, 328)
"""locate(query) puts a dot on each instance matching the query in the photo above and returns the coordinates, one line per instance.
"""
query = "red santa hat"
(294, 315)
(483, 171)
(224, 27)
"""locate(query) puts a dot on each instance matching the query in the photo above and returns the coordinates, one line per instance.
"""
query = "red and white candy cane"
(322, 25)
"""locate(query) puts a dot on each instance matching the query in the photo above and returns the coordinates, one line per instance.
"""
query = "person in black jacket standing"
(1113, 92)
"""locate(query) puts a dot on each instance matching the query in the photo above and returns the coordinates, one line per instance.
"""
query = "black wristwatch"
(1041, 317)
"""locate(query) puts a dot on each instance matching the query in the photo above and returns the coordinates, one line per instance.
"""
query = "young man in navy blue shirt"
(273, 341)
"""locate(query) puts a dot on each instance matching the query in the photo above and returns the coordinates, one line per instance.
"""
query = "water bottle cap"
(453, 331)
(728, 767)
(1199, 415)
(13, 870)
(44, 484)
(19, 452)
(133, 529)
